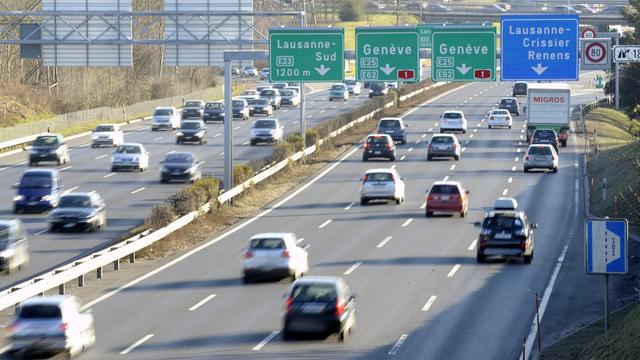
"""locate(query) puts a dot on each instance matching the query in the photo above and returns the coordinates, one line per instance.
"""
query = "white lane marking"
(202, 302)
(299, 240)
(309, 116)
(285, 110)
(334, 106)
(470, 136)
(435, 124)
(264, 342)
(516, 159)
(138, 190)
(575, 165)
(353, 268)
(429, 130)
(406, 223)
(471, 98)
(522, 131)
(325, 224)
(410, 149)
(216, 135)
(295, 122)
(66, 168)
(245, 143)
(452, 167)
(446, 178)
(417, 141)
(321, 111)
(109, 175)
(222, 153)
(518, 150)
(350, 206)
(393, 167)
(424, 205)
(510, 180)
(504, 192)
(453, 271)
(71, 189)
(398, 344)
(513, 168)
(472, 245)
(384, 242)
(430, 302)
(463, 149)
(41, 232)
(169, 152)
(475, 130)
(466, 142)
(236, 127)
(85, 145)
(425, 135)
(402, 157)
(102, 156)
(136, 344)
(158, 138)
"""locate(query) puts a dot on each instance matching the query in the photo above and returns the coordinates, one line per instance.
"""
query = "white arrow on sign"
(322, 70)
(387, 70)
(463, 69)
(539, 69)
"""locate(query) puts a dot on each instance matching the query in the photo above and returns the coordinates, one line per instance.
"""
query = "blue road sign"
(539, 47)
(606, 246)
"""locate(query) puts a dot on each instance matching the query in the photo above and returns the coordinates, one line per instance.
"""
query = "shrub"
(312, 136)
(187, 200)
(211, 188)
(242, 173)
(352, 10)
(160, 217)
(294, 141)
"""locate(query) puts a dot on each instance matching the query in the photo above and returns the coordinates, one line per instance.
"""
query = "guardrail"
(77, 269)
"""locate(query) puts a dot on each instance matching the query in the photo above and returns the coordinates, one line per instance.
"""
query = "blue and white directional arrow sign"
(606, 246)
(539, 47)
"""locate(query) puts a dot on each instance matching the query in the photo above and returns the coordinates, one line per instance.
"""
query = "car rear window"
(286, 92)
(40, 312)
(192, 104)
(163, 112)
(445, 189)
(377, 140)
(350, 82)
(539, 150)
(500, 112)
(442, 139)
(104, 128)
(508, 101)
(502, 222)
(544, 134)
(267, 244)
(258, 102)
(314, 293)
(238, 104)
(520, 86)
(374, 177)
(337, 87)
(452, 115)
(267, 93)
(214, 106)
(389, 124)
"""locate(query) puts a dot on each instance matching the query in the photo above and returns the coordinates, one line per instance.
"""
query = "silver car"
(541, 156)
(14, 252)
(382, 184)
(443, 145)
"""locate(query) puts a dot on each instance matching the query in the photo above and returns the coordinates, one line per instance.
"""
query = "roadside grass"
(617, 160)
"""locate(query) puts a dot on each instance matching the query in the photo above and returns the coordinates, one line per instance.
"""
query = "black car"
(260, 106)
(319, 304)
(49, 147)
(213, 111)
(511, 104)
(519, 88)
(379, 146)
(79, 211)
(545, 136)
(378, 89)
(193, 109)
(192, 131)
(506, 233)
(181, 166)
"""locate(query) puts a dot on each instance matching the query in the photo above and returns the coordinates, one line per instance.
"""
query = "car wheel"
(463, 213)
(555, 170)
(489, 126)
(480, 257)
(526, 169)
(429, 213)
(246, 279)
(286, 335)
(253, 143)
(32, 163)
(441, 131)
(456, 157)
(429, 157)
(177, 142)
(364, 201)
(464, 131)
(153, 129)
(59, 161)
(392, 158)
(364, 158)
(527, 258)
(398, 201)
(509, 126)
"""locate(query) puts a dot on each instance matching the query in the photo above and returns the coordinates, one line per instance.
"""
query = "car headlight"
(164, 169)
(46, 198)
(94, 137)
(7, 253)
(54, 151)
(135, 159)
(179, 133)
(18, 198)
(485, 232)
(33, 151)
(91, 216)
(272, 132)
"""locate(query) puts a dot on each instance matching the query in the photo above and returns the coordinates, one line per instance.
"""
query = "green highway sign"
(387, 54)
(463, 54)
(424, 35)
(306, 54)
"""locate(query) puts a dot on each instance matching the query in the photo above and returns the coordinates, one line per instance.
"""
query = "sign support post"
(606, 302)
(303, 103)
(228, 128)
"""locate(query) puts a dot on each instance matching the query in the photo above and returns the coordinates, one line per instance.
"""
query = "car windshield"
(375, 177)
(179, 158)
(296, 90)
(377, 87)
(4, 237)
(249, 92)
(265, 124)
(520, 86)
(286, 93)
(258, 102)
(248, 67)
(191, 125)
(389, 124)
(452, 115)
(128, 149)
(40, 311)
(377, 140)
(268, 93)
(75, 201)
(314, 293)
(40, 181)
(163, 112)
(539, 150)
(104, 128)
(192, 104)
(442, 139)
(267, 244)
(238, 104)
(46, 141)
(214, 106)
(508, 101)
(350, 82)
(445, 190)
(502, 222)
(337, 87)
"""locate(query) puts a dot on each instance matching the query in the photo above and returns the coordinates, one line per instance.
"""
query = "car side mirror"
(353, 296)
(466, 192)
(16, 185)
(477, 224)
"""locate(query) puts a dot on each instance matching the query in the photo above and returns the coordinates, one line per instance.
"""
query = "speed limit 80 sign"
(595, 54)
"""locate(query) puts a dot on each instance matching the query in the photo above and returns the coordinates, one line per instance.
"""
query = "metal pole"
(228, 128)
(617, 78)
(303, 103)
(606, 302)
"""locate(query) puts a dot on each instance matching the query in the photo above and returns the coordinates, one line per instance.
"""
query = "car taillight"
(431, 197)
(553, 157)
(455, 146)
(13, 328)
(388, 146)
(491, 118)
(286, 253)
(289, 304)
(248, 255)
(523, 245)
(340, 308)
(64, 327)
(482, 243)
(526, 157)
(366, 146)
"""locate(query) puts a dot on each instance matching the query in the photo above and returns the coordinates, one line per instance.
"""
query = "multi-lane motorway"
(130, 195)
(421, 294)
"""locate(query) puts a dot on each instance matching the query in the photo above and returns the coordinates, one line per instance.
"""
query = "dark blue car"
(39, 190)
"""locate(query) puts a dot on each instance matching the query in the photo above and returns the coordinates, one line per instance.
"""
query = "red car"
(447, 197)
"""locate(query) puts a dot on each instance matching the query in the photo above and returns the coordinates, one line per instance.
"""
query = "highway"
(131, 195)
(421, 294)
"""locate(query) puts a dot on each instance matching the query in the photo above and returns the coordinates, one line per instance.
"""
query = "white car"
(250, 71)
(266, 130)
(274, 255)
(107, 134)
(52, 324)
(499, 117)
(354, 87)
(453, 120)
(382, 184)
(166, 117)
(250, 94)
(264, 74)
(130, 156)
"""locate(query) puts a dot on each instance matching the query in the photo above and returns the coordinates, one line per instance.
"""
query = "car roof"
(379, 170)
(379, 135)
(323, 279)
(540, 145)
(453, 111)
(449, 182)
(193, 100)
(509, 213)
(505, 202)
(272, 235)
(391, 118)
(166, 107)
(132, 144)
(509, 98)
(443, 135)
(41, 171)
(77, 194)
(46, 300)
(270, 119)
(48, 134)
